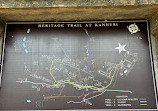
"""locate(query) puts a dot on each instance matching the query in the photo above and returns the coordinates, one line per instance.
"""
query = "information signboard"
(77, 65)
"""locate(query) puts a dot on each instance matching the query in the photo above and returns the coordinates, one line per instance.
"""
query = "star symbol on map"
(121, 48)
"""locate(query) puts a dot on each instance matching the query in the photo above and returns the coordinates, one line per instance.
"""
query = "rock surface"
(67, 3)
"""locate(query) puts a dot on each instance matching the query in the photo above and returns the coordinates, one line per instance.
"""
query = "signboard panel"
(77, 65)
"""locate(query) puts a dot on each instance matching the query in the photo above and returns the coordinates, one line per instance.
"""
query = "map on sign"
(77, 65)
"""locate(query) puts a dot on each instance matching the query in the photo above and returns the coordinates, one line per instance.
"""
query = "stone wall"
(68, 3)
(2, 28)
(154, 38)
(61, 10)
